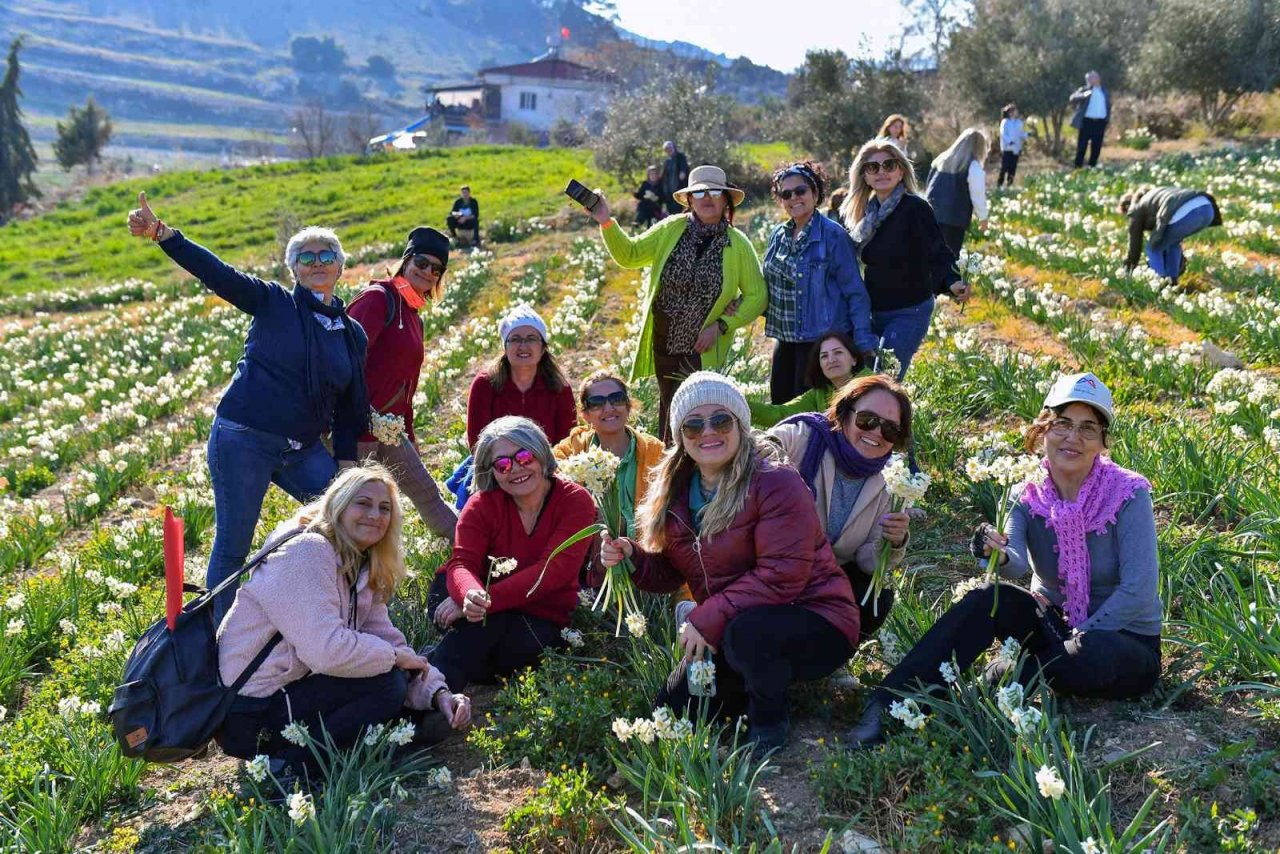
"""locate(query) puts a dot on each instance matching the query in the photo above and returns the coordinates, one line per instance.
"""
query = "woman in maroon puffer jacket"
(773, 606)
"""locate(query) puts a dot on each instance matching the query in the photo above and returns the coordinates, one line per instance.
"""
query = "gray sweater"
(1124, 586)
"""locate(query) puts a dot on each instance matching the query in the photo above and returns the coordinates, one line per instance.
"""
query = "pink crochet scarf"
(1104, 491)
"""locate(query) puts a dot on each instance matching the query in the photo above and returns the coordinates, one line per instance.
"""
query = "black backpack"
(172, 701)
(389, 294)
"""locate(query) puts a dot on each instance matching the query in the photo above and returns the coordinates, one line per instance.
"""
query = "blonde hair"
(855, 204)
(673, 472)
(323, 516)
(970, 145)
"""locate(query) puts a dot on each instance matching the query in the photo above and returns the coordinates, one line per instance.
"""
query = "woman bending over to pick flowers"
(302, 371)
(509, 593)
(1091, 621)
(337, 661)
(842, 455)
(773, 606)
(388, 309)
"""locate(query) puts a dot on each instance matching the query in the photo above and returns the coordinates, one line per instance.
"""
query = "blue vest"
(948, 193)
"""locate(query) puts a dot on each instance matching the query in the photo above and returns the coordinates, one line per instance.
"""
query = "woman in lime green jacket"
(833, 361)
(699, 264)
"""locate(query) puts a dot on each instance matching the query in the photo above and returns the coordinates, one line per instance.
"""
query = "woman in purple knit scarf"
(1090, 622)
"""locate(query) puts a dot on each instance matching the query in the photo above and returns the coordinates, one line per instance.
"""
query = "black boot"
(868, 732)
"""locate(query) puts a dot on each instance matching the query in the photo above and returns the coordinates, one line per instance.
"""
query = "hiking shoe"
(868, 732)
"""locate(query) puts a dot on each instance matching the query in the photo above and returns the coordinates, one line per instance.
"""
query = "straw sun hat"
(708, 178)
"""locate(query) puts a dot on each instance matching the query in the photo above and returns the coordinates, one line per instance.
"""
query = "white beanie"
(521, 315)
(703, 387)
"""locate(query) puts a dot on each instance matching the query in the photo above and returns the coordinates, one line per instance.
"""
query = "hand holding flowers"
(905, 488)
(1006, 472)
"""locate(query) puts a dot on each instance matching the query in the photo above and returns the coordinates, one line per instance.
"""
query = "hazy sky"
(760, 29)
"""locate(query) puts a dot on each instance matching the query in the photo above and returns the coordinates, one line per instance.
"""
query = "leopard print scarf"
(691, 281)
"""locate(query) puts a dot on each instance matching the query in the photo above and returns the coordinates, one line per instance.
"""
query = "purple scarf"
(824, 440)
(1104, 491)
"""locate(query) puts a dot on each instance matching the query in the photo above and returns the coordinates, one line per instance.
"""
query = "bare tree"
(934, 20)
(314, 130)
(360, 127)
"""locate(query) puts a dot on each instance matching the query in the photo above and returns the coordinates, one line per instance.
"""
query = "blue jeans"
(1166, 258)
(902, 330)
(243, 463)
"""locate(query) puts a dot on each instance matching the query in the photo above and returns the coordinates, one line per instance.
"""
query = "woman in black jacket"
(901, 247)
(1171, 214)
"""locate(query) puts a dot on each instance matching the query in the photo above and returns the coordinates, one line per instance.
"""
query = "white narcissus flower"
(16, 626)
(908, 712)
(296, 733)
(501, 566)
(948, 671)
(258, 768)
(595, 469)
(1025, 720)
(900, 482)
(1050, 783)
(702, 675)
(637, 624)
(388, 429)
(301, 808)
(1090, 846)
(1009, 699)
(644, 730)
(15, 602)
(373, 734)
(573, 637)
(439, 778)
(967, 586)
(110, 608)
(402, 733)
(621, 729)
(1010, 650)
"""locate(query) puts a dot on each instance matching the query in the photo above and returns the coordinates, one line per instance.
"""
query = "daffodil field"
(106, 396)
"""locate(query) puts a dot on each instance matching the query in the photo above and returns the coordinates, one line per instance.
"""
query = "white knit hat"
(521, 315)
(703, 387)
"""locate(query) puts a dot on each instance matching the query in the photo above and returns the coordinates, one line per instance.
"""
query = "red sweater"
(490, 526)
(553, 411)
(395, 352)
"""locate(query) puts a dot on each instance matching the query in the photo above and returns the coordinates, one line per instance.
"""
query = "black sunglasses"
(424, 262)
(802, 190)
(597, 401)
(721, 422)
(871, 167)
(891, 430)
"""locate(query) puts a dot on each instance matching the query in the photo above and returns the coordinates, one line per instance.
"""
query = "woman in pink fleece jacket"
(339, 658)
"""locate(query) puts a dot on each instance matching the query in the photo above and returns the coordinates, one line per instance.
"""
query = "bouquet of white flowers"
(388, 429)
(1006, 471)
(905, 489)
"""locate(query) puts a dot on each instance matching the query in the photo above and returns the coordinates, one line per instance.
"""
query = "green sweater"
(765, 415)
(742, 277)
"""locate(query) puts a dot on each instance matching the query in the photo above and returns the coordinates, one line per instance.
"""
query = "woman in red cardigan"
(773, 606)
(498, 615)
(388, 311)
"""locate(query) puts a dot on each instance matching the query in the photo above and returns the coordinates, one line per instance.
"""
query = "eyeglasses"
(871, 167)
(424, 262)
(521, 340)
(891, 430)
(715, 194)
(597, 401)
(324, 256)
(523, 458)
(721, 422)
(1086, 430)
(798, 192)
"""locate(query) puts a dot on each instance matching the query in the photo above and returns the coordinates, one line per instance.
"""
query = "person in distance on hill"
(833, 361)
(957, 187)
(302, 370)
(340, 664)
(649, 199)
(508, 599)
(907, 263)
(772, 605)
(675, 174)
(1091, 620)
(840, 453)
(388, 310)
(464, 215)
(704, 283)
(811, 270)
(1013, 135)
(1171, 214)
(1092, 105)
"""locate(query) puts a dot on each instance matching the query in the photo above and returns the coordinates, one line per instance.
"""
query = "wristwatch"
(435, 698)
(723, 324)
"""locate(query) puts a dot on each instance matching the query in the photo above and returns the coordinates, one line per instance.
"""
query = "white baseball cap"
(1081, 388)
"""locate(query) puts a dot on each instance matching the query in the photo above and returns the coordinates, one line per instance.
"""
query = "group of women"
(771, 537)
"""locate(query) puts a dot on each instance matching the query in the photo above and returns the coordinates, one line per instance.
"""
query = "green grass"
(768, 155)
(236, 213)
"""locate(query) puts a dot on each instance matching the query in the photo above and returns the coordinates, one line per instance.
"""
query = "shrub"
(567, 813)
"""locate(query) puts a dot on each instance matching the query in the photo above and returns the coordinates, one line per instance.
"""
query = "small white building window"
(529, 100)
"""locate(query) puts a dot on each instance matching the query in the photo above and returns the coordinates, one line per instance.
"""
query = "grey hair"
(311, 234)
(522, 433)
(970, 145)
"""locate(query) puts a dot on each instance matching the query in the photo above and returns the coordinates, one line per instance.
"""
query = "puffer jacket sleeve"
(786, 537)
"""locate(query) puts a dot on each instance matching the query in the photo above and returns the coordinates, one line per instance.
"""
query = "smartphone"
(578, 191)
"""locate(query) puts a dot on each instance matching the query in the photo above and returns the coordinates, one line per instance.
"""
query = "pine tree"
(83, 137)
(17, 156)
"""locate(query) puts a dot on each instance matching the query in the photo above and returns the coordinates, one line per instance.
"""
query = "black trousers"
(1106, 664)
(1008, 167)
(345, 707)
(1091, 133)
(486, 652)
(872, 615)
(764, 650)
(787, 370)
(671, 370)
(953, 236)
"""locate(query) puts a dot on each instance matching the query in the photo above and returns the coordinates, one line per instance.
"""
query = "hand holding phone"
(593, 202)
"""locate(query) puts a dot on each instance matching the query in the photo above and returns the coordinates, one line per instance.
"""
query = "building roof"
(551, 69)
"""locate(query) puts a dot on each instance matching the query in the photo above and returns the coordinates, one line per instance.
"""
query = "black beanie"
(425, 240)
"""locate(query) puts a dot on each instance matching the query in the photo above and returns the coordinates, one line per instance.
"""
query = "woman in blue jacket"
(811, 270)
(301, 375)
